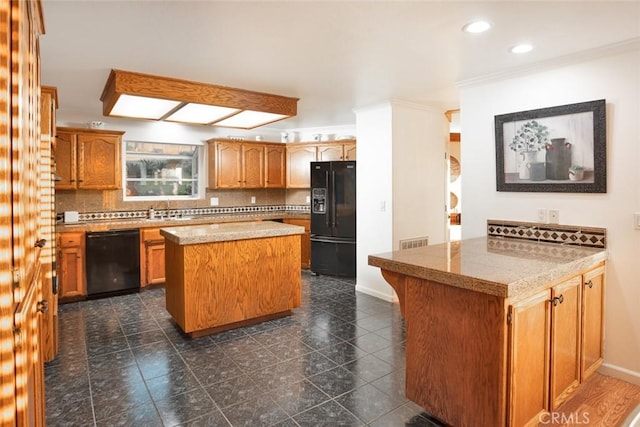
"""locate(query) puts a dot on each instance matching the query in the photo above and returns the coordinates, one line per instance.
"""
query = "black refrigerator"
(333, 218)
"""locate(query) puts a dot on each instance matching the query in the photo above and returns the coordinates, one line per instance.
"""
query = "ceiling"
(334, 55)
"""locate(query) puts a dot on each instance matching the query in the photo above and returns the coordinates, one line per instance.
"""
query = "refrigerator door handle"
(333, 198)
(326, 185)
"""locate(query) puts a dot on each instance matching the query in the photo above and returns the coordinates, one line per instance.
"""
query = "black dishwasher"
(113, 262)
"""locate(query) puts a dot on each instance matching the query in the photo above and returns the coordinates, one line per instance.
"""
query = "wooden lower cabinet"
(592, 322)
(555, 342)
(152, 269)
(305, 240)
(71, 270)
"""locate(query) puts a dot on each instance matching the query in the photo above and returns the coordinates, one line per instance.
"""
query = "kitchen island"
(498, 331)
(223, 276)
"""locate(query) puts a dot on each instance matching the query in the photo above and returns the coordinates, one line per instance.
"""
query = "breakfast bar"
(498, 331)
(223, 276)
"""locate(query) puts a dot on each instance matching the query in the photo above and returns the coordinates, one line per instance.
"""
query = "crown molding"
(628, 45)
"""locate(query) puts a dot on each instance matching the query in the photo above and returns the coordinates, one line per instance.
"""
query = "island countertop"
(207, 233)
(503, 267)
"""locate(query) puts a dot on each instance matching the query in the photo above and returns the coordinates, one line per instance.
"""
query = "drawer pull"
(40, 243)
(557, 300)
(589, 284)
(43, 306)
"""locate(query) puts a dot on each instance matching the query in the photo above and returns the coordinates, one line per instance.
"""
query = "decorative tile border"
(592, 237)
(119, 215)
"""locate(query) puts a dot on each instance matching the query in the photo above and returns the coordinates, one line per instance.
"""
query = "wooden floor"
(600, 401)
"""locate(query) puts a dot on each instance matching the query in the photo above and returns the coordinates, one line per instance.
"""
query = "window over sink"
(162, 171)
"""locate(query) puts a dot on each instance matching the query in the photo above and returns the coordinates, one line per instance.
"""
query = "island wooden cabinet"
(305, 240)
(592, 322)
(555, 337)
(88, 159)
(152, 269)
(71, 270)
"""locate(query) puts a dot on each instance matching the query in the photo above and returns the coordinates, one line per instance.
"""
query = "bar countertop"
(503, 267)
(207, 233)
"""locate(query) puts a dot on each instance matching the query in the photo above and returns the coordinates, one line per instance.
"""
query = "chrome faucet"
(167, 209)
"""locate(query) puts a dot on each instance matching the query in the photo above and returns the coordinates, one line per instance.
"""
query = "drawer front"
(151, 234)
(68, 240)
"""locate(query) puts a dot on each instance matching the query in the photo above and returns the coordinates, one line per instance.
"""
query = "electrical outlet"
(253, 199)
(214, 201)
(308, 199)
(554, 216)
(636, 220)
(542, 215)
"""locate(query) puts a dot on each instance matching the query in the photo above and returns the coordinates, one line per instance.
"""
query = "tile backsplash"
(574, 235)
(111, 200)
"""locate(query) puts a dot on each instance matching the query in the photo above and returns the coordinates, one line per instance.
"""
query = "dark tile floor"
(339, 360)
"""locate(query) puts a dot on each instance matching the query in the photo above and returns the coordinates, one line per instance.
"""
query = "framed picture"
(559, 149)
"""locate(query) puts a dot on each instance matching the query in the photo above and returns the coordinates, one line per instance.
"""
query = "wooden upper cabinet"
(349, 151)
(329, 152)
(66, 161)
(227, 161)
(244, 164)
(299, 158)
(88, 159)
(275, 165)
(253, 166)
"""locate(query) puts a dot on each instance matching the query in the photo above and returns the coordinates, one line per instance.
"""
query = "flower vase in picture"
(527, 157)
(529, 139)
(558, 159)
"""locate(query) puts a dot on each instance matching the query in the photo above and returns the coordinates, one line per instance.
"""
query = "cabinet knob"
(40, 243)
(589, 284)
(557, 300)
(43, 306)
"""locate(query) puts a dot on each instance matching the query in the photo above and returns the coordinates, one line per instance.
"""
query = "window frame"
(200, 176)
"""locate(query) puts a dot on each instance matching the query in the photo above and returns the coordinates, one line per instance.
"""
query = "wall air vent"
(417, 242)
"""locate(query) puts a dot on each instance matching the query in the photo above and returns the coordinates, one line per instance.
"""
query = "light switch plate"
(214, 201)
(636, 220)
(253, 199)
(542, 216)
(554, 216)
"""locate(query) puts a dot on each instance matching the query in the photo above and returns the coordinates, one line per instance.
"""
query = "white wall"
(374, 227)
(615, 78)
(401, 183)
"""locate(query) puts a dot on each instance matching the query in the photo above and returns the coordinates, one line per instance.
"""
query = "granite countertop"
(120, 224)
(207, 233)
(504, 267)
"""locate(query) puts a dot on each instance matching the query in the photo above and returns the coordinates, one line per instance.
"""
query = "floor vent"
(418, 242)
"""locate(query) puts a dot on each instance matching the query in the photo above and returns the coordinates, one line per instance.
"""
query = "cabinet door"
(349, 151)
(71, 277)
(330, 152)
(565, 339)
(253, 165)
(29, 356)
(66, 161)
(299, 160)
(305, 240)
(99, 162)
(155, 262)
(275, 168)
(528, 367)
(592, 322)
(228, 165)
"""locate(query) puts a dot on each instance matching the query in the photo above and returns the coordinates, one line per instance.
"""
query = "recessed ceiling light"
(521, 48)
(476, 27)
